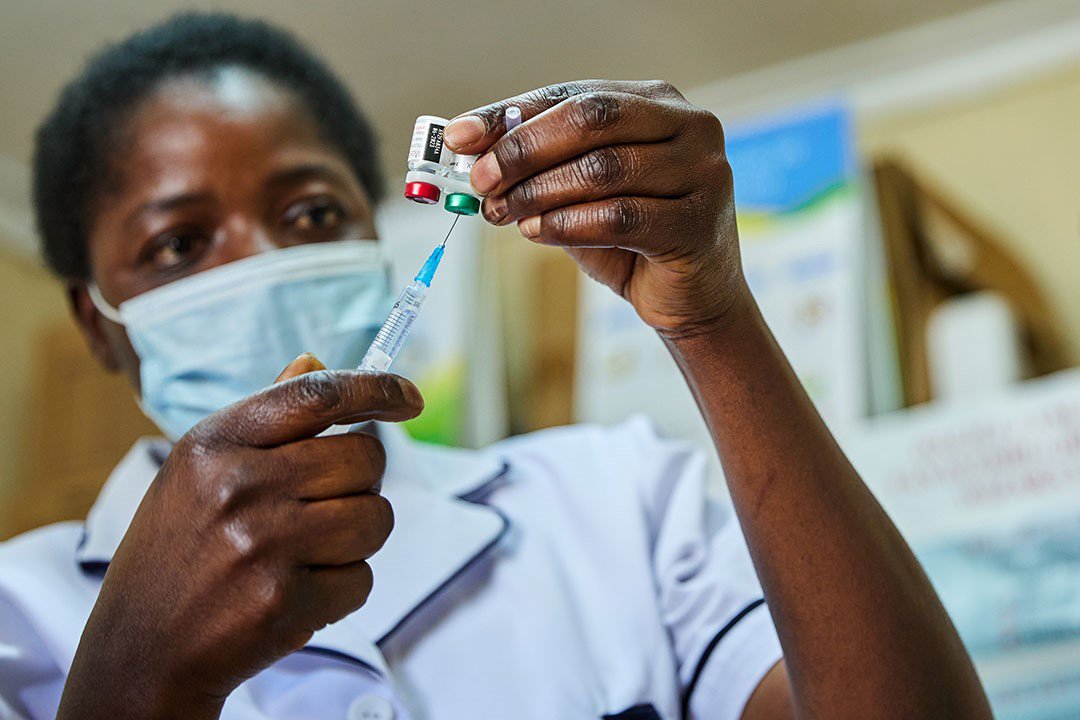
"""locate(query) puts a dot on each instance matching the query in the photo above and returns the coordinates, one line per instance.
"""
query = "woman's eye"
(315, 216)
(176, 249)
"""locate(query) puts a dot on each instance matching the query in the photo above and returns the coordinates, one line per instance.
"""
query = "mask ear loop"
(102, 304)
(113, 314)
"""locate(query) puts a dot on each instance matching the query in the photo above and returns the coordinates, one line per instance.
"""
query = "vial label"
(427, 142)
(461, 165)
(433, 146)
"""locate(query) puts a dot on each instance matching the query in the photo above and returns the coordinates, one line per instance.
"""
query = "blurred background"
(908, 187)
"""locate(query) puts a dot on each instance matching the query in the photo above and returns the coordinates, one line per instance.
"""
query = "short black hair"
(74, 145)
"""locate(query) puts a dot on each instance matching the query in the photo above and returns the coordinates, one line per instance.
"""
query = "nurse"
(206, 189)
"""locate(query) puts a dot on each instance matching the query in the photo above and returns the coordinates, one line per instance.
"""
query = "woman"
(206, 189)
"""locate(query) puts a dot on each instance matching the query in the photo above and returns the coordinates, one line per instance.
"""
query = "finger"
(305, 363)
(343, 530)
(304, 406)
(329, 593)
(650, 170)
(571, 128)
(475, 131)
(644, 225)
(332, 466)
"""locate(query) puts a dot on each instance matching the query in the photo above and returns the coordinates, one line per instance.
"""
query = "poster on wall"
(987, 493)
(802, 230)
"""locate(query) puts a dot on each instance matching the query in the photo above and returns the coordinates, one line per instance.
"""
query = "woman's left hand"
(628, 177)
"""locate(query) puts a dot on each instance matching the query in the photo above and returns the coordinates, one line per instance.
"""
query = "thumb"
(304, 364)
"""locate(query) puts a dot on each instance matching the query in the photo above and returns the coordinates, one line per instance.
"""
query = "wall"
(1010, 157)
(32, 301)
(66, 422)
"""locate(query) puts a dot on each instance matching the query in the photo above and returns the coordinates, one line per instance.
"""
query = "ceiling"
(407, 58)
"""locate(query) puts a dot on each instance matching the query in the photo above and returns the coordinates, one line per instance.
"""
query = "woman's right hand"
(252, 537)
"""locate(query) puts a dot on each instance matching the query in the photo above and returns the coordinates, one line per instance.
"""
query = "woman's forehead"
(231, 106)
(229, 90)
(232, 123)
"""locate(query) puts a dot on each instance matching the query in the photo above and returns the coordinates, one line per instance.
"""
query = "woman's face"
(210, 171)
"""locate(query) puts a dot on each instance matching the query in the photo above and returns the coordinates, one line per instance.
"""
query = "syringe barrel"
(392, 334)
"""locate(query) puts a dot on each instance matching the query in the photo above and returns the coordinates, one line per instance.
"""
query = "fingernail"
(486, 174)
(463, 131)
(495, 209)
(411, 393)
(308, 360)
(530, 226)
(301, 365)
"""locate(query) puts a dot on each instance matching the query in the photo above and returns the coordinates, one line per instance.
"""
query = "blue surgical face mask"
(208, 340)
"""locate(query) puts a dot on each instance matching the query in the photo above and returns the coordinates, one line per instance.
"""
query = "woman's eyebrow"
(165, 204)
(307, 171)
(171, 202)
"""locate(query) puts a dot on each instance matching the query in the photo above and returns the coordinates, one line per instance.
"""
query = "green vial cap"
(462, 204)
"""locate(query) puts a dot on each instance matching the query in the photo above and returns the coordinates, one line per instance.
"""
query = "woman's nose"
(246, 238)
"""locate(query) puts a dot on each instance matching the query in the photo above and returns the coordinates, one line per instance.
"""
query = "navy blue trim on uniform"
(478, 493)
(450, 580)
(97, 568)
(338, 655)
(709, 649)
(472, 497)
(638, 712)
(90, 567)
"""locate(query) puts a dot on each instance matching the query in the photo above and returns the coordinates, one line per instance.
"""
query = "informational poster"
(802, 229)
(801, 225)
(987, 492)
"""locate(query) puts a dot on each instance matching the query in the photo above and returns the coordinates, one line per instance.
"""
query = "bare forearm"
(113, 678)
(109, 699)
(111, 696)
(864, 634)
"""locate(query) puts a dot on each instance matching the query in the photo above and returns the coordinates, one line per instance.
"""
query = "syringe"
(391, 336)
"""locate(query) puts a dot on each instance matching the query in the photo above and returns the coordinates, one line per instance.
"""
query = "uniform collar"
(439, 530)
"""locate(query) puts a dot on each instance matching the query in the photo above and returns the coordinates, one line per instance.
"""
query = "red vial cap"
(422, 192)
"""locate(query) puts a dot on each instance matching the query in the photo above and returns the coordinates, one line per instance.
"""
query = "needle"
(452, 226)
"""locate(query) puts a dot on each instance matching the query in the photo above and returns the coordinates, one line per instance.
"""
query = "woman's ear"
(92, 324)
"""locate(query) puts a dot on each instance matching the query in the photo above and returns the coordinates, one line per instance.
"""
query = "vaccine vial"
(434, 169)
(425, 156)
(458, 167)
